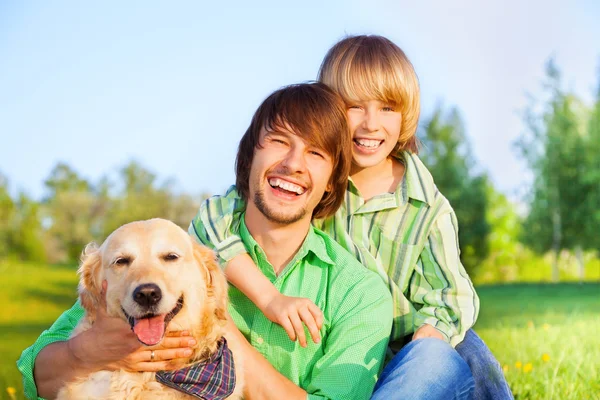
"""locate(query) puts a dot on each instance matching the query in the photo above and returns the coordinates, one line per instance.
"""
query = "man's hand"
(111, 344)
(427, 330)
(291, 312)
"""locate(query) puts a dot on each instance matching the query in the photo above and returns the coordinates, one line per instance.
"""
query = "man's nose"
(295, 159)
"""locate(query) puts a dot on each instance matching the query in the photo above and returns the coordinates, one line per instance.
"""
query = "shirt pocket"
(398, 259)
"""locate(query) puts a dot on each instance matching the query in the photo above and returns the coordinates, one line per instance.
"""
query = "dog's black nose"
(147, 295)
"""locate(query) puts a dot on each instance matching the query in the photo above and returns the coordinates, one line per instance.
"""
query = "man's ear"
(216, 282)
(90, 285)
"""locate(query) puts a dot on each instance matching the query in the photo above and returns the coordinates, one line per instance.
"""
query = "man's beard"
(274, 216)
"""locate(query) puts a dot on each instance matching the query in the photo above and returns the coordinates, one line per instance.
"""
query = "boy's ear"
(90, 285)
(215, 278)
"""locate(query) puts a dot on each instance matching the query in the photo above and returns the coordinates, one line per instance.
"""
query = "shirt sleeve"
(440, 284)
(58, 332)
(356, 344)
(217, 225)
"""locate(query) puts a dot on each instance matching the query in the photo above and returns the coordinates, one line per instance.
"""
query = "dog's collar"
(213, 379)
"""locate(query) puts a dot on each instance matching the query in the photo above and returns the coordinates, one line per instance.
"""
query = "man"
(291, 165)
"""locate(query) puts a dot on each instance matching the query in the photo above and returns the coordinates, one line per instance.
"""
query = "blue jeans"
(490, 383)
(425, 369)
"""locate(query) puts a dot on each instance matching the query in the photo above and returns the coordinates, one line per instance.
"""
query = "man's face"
(288, 176)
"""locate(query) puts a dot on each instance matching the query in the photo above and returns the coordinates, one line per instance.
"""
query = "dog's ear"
(89, 280)
(216, 282)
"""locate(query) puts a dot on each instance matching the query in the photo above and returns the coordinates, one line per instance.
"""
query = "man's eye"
(122, 261)
(171, 257)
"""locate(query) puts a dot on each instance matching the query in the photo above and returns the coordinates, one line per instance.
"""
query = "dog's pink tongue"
(150, 330)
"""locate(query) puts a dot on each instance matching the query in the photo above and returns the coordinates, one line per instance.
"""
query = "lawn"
(545, 336)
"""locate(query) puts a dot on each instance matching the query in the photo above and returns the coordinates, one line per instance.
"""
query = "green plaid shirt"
(409, 238)
(356, 308)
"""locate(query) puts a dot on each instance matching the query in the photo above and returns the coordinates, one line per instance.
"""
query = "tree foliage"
(447, 153)
(562, 154)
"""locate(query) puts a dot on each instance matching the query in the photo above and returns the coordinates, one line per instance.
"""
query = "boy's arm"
(217, 226)
(289, 312)
(441, 285)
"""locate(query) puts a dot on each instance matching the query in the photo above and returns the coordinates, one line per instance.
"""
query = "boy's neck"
(280, 242)
(378, 179)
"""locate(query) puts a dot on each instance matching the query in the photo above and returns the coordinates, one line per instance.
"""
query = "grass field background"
(546, 336)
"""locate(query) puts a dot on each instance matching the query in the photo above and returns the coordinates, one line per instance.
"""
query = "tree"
(7, 218)
(68, 209)
(556, 150)
(592, 175)
(447, 154)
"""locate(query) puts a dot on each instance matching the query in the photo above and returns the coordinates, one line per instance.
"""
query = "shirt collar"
(313, 243)
(419, 183)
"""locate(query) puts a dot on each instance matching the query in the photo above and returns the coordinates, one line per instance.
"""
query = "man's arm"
(441, 284)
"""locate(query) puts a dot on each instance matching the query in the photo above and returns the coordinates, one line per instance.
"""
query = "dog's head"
(158, 278)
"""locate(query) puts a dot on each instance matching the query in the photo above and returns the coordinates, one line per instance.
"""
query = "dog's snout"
(147, 295)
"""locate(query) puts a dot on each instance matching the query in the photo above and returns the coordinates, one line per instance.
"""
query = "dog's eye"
(171, 257)
(122, 261)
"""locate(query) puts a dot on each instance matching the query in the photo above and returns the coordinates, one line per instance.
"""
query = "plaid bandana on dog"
(213, 379)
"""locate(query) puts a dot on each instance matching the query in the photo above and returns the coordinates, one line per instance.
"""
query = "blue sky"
(174, 84)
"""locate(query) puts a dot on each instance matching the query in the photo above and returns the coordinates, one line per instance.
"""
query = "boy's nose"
(371, 121)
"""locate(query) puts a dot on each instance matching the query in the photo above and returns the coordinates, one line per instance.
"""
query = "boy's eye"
(316, 153)
(356, 107)
(388, 108)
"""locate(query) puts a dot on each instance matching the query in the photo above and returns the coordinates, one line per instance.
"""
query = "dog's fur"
(152, 252)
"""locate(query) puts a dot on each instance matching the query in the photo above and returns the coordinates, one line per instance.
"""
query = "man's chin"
(277, 216)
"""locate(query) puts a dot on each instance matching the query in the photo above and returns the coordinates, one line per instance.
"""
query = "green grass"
(520, 323)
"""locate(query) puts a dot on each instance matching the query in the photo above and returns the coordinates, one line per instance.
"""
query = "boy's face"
(288, 176)
(375, 128)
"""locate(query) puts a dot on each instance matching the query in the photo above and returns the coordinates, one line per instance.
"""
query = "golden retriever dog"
(159, 279)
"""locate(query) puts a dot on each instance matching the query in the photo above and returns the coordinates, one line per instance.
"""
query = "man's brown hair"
(317, 115)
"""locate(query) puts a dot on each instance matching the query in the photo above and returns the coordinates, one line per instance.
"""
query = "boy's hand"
(291, 312)
(428, 331)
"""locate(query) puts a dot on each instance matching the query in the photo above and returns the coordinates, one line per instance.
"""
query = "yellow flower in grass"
(545, 357)
(530, 324)
(546, 327)
(518, 365)
(527, 367)
(505, 368)
(11, 392)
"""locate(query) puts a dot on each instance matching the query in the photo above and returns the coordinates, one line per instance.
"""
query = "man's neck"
(279, 242)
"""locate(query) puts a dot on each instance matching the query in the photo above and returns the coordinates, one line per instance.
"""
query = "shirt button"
(260, 340)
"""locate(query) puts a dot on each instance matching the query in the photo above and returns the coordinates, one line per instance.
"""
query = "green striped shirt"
(356, 309)
(409, 238)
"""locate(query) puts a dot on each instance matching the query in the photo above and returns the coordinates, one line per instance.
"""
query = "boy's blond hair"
(373, 67)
